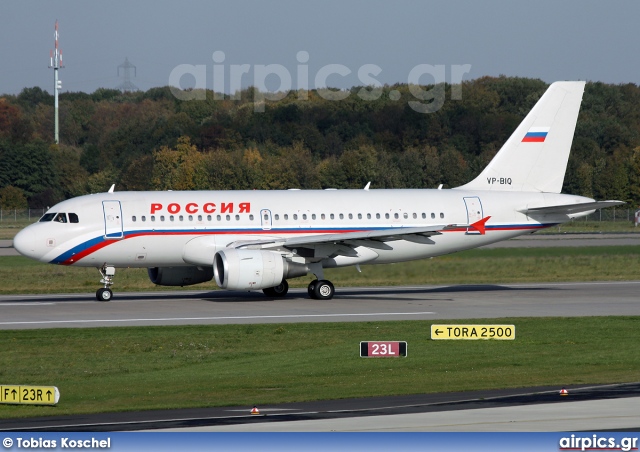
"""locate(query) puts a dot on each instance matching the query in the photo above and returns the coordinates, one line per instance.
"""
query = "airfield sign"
(473, 332)
(30, 395)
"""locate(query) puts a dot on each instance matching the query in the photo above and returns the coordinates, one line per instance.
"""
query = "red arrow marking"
(480, 225)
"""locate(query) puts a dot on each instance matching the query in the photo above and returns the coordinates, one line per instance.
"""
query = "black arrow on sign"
(14, 392)
(438, 332)
(49, 394)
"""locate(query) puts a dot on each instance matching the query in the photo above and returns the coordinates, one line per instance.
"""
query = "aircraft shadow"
(222, 296)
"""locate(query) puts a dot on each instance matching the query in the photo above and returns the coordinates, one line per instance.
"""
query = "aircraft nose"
(25, 243)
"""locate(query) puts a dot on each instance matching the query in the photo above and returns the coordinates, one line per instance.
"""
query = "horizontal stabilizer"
(572, 208)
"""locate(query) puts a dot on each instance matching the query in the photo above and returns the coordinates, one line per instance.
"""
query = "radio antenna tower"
(56, 63)
(126, 69)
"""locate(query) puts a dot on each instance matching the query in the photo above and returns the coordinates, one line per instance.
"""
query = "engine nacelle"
(180, 276)
(251, 269)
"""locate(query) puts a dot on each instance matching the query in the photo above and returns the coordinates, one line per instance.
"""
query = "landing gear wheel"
(311, 290)
(324, 290)
(104, 294)
(278, 291)
(107, 272)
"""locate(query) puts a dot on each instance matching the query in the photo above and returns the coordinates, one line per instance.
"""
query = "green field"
(120, 369)
(489, 266)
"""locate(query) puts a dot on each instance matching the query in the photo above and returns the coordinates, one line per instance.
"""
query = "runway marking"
(25, 303)
(248, 317)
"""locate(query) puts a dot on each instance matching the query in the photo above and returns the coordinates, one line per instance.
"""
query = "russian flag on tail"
(536, 135)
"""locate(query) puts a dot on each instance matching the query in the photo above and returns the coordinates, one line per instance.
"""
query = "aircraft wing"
(572, 208)
(377, 236)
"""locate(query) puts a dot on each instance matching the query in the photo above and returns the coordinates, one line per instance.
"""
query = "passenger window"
(441, 215)
(322, 216)
(172, 218)
(228, 217)
(251, 217)
(181, 218)
(377, 216)
(368, 216)
(415, 215)
(313, 216)
(424, 215)
(190, 217)
(153, 218)
(304, 216)
(73, 218)
(133, 218)
(237, 217)
(61, 218)
(359, 216)
(433, 215)
(341, 216)
(331, 216)
(351, 216)
(219, 217)
(405, 215)
(286, 216)
(199, 217)
(295, 216)
(143, 218)
(209, 218)
(386, 215)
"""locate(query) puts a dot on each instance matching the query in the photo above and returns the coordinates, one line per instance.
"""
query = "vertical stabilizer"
(535, 157)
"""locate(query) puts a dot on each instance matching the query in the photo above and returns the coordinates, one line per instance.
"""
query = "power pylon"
(126, 69)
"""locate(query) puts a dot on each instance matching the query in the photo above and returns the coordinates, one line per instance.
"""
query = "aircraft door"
(265, 219)
(474, 212)
(112, 219)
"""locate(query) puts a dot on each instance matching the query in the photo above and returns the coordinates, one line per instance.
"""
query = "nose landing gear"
(105, 294)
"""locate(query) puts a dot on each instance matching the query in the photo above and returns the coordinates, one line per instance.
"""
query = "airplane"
(252, 240)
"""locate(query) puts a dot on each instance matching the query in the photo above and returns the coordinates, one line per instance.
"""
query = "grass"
(120, 369)
(489, 266)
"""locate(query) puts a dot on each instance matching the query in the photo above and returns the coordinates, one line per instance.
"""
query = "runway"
(504, 410)
(354, 304)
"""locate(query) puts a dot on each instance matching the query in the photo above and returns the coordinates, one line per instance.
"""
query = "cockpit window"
(73, 218)
(47, 217)
(61, 218)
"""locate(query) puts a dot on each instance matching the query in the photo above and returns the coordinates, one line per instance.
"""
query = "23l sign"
(383, 349)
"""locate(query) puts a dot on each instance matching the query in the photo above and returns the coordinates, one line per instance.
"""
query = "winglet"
(480, 225)
(113, 187)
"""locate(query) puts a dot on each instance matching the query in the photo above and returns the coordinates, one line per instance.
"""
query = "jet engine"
(180, 276)
(253, 269)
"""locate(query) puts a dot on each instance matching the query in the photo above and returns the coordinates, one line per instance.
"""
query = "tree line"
(153, 141)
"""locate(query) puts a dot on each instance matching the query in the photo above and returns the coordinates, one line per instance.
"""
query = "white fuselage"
(154, 229)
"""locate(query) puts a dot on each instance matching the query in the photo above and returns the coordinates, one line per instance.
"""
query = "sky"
(313, 43)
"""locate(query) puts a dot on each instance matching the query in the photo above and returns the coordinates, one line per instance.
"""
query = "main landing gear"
(321, 289)
(278, 291)
(318, 290)
(105, 294)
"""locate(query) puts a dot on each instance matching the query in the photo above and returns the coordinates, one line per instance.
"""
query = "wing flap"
(377, 236)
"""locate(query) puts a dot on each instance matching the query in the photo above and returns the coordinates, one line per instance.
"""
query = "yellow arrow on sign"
(473, 332)
(32, 395)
